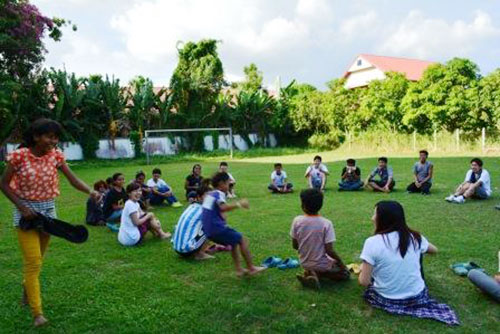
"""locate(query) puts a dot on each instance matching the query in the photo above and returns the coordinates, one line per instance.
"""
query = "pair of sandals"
(276, 262)
(462, 269)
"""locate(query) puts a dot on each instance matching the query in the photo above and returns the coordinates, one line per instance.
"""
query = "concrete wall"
(123, 148)
(363, 77)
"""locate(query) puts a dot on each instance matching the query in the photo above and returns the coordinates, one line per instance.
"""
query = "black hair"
(109, 180)
(424, 152)
(139, 173)
(116, 176)
(195, 165)
(223, 163)
(219, 178)
(40, 127)
(278, 164)
(317, 158)
(100, 184)
(351, 161)
(156, 171)
(203, 188)
(478, 161)
(391, 217)
(133, 187)
(384, 159)
(312, 200)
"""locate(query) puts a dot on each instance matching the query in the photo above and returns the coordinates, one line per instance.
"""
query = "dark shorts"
(227, 237)
(382, 184)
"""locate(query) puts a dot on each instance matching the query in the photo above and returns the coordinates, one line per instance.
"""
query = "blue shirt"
(188, 234)
(383, 173)
(211, 217)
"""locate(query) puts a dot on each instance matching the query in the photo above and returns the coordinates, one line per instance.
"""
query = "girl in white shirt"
(392, 267)
(134, 222)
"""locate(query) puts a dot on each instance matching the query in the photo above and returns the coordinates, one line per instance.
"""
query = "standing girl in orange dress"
(31, 182)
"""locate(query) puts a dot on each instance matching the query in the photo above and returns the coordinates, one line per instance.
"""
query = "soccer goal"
(170, 141)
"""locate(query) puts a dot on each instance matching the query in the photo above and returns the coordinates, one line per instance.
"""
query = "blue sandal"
(272, 261)
(288, 264)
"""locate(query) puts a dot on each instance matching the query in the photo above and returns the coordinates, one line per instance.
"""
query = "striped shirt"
(188, 234)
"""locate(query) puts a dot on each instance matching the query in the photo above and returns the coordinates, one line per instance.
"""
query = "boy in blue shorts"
(213, 218)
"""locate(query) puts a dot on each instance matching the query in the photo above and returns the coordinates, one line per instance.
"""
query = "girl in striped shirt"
(189, 240)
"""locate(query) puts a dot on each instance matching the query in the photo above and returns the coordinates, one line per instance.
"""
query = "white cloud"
(360, 25)
(424, 37)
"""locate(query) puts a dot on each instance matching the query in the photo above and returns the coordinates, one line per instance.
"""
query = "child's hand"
(243, 203)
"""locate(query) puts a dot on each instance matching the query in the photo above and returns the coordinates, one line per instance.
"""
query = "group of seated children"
(391, 266)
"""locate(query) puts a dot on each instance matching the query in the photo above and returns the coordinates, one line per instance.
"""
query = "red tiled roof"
(412, 68)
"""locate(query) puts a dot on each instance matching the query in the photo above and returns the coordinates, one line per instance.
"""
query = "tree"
(253, 78)
(195, 85)
(381, 106)
(488, 112)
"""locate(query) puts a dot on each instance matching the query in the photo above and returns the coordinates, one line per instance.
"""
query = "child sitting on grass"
(351, 177)
(193, 182)
(189, 240)
(316, 174)
(223, 168)
(381, 178)
(215, 225)
(95, 214)
(161, 191)
(314, 236)
(279, 184)
(134, 222)
(114, 201)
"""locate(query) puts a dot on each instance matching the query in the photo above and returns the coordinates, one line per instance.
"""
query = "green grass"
(101, 287)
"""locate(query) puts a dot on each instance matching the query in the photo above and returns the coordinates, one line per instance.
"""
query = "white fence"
(123, 148)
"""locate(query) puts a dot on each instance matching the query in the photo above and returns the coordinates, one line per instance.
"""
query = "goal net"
(172, 141)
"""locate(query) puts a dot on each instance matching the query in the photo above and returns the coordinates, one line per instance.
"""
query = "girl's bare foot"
(203, 256)
(256, 270)
(242, 272)
(165, 235)
(39, 321)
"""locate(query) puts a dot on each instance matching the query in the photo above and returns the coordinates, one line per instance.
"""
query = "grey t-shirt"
(422, 170)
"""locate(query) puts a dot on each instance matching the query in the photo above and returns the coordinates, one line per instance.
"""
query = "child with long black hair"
(31, 182)
(392, 271)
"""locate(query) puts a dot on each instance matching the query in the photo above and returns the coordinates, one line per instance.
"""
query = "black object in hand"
(73, 233)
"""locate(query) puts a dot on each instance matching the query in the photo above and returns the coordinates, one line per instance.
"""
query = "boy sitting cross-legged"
(161, 191)
(215, 226)
(351, 177)
(279, 182)
(313, 236)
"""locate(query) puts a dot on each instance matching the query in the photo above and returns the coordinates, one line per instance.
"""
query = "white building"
(366, 68)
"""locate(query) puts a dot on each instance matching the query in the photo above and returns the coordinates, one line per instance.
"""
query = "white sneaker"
(459, 200)
(450, 198)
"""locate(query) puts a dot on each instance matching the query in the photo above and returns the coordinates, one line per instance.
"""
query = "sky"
(311, 41)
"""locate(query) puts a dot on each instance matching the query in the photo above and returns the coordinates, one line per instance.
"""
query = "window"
(359, 62)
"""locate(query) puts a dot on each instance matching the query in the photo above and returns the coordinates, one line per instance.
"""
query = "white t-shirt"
(316, 172)
(160, 183)
(279, 180)
(485, 179)
(231, 178)
(129, 234)
(394, 277)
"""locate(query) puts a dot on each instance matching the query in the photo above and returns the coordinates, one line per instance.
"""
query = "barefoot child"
(313, 236)
(381, 178)
(215, 225)
(31, 182)
(279, 182)
(189, 240)
(134, 222)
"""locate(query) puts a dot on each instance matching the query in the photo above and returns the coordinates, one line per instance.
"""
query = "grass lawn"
(101, 287)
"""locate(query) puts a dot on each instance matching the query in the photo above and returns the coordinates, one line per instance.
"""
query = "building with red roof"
(366, 68)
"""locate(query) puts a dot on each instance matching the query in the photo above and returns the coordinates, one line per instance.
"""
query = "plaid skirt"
(47, 208)
(420, 306)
